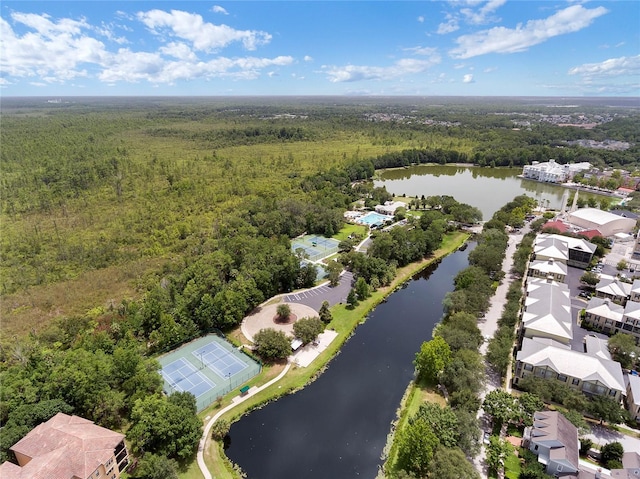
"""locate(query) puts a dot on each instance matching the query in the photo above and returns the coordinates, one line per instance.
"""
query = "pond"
(337, 426)
(488, 189)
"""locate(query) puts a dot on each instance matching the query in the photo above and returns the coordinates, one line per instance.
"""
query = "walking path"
(236, 400)
(488, 326)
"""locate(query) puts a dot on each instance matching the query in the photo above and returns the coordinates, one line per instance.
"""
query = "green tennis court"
(315, 247)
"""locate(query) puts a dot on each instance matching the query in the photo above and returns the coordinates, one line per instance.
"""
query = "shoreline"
(298, 378)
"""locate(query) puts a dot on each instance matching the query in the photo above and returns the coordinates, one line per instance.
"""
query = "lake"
(488, 189)
(337, 426)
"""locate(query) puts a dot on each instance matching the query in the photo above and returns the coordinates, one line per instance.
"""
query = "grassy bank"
(344, 323)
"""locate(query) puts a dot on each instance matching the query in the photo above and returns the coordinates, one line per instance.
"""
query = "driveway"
(601, 436)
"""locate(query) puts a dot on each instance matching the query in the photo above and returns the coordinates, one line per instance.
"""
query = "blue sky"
(462, 47)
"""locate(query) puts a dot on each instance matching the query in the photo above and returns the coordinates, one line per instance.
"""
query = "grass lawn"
(512, 467)
(344, 322)
(348, 229)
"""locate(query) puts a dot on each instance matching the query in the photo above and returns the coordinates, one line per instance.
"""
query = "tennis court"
(220, 360)
(315, 247)
(183, 376)
(208, 367)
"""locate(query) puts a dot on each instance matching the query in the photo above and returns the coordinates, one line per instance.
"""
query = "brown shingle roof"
(64, 447)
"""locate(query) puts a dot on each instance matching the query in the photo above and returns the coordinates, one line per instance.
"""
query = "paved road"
(314, 297)
(601, 436)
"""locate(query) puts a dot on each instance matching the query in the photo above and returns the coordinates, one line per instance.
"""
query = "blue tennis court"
(220, 360)
(208, 367)
(184, 376)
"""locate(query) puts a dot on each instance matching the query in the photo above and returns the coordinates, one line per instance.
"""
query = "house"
(630, 467)
(632, 400)
(555, 441)
(588, 373)
(68, 447)
(549, 268)
(614, 289)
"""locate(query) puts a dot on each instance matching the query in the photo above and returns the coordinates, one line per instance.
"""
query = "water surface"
(337, 426)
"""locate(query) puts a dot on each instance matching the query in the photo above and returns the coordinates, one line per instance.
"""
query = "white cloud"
(507, 40)
(484, 14)
(204, 36)
(421, 19)
(609, 68)
(54, 50)
(219, 9)
(468, 78)
(307, 58)
(57, 51)
(405, 66)
(424, 51)
(489, 69)
(448, 27)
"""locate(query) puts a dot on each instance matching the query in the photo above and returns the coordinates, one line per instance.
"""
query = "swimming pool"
(373, 218)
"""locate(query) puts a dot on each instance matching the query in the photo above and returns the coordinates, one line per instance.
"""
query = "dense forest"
(132, 225)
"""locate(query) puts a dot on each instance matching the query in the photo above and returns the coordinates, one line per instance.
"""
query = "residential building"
(68, 447)
(576, 252)
(547, 312)
(613, 289)
(635, 291)
(555, 441)
(630, 466)
(549, 269)
(632, 401)
(552, 172)
(611, 318)
(547, 247)
(588, 373)
(603, 314)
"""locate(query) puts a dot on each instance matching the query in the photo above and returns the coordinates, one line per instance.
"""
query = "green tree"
(590, 278)
(307, 329)
(352, 299)
(156, 466)
(272, 345)
(623, 349)
(333, 271)
(220, 429)
(607, 409)
(284, 312)
(612, 455)
(622, 265)
(416, 446)
(497, 452)
(500, 405)
(451, 463)
(529, 403)
(168, 428)
(325, 313)
(443, 422)
(432, 358)
(363, 291)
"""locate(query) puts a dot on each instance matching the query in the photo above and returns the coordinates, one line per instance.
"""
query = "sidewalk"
(488, 327)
